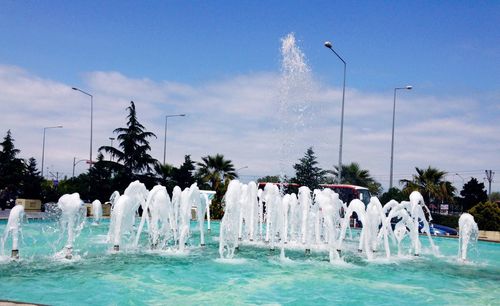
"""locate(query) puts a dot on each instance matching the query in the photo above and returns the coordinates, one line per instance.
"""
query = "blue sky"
(200, 56)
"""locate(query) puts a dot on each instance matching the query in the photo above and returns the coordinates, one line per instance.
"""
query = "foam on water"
(232, 261)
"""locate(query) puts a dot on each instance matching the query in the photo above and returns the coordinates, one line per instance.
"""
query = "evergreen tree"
(101, 177)
(472, 193)
(269, 179)
(307, 173)
(393, 194)
(132, 155)
(32, 181)
(183, 176)
(11, 170)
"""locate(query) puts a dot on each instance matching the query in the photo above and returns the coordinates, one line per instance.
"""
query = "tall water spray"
(294, 106)
(468, 233)
(318, 221)
(229, 225)
(71, 220)
(123, 215)
(158, 213)
(97, 211)
(14, 229)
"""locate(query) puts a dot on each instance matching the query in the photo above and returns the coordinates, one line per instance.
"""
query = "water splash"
(71, 221)
(13, 229)
(97, 211)
(121, 228)
(318, 221)
(294, 107)
(167, 222)
(468, 234)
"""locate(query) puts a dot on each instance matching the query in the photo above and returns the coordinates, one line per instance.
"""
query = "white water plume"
(294, 107)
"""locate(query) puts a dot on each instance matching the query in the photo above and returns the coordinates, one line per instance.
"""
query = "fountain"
(168, 221)
(158, 213)
(123, 213)
(229, 225)
(410, 217)
(294, 100)
(183, 276)
(71, 221)
(113, 198)
(314, 222)
(96, 211)
(468, 234)
(189, 196)
(318, 221)
(13, 228)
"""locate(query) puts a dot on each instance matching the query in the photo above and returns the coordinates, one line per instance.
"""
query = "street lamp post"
(91, 119)
(165, 141)
(461, 177)
(244, 167)
(76, 162)
(111, 138)
(329, 46)
(408, 87)
(43, 144)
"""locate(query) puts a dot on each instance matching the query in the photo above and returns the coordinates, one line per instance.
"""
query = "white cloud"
(239, 117)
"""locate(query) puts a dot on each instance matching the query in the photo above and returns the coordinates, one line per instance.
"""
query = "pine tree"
(32, 181)
(11, 167)
(183, 176)
(307, 173)
(101, 177)
(132, 155)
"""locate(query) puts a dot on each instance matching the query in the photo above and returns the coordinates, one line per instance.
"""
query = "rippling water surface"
(255, 276)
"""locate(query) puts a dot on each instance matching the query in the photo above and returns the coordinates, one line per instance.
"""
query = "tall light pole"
(76, 162)
(408, 87)
(91, 119)
(461, 177)
(244, 167)
(329, 46)
(43, 144)
(111, 138)
(489, 177)
(165, 141)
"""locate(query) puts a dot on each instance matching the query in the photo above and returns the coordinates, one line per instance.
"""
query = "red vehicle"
(347, 193)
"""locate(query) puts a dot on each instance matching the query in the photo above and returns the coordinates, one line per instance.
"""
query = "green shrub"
(487, 216)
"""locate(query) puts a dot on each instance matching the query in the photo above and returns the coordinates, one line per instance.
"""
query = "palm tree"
(431, 184)
(133, 149)
(353, 174)
(216, 172)
(164, 175)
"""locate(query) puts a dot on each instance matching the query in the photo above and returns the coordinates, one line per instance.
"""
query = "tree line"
(131, 160)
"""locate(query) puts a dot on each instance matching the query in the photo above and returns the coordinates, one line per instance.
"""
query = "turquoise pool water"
(255, 276)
